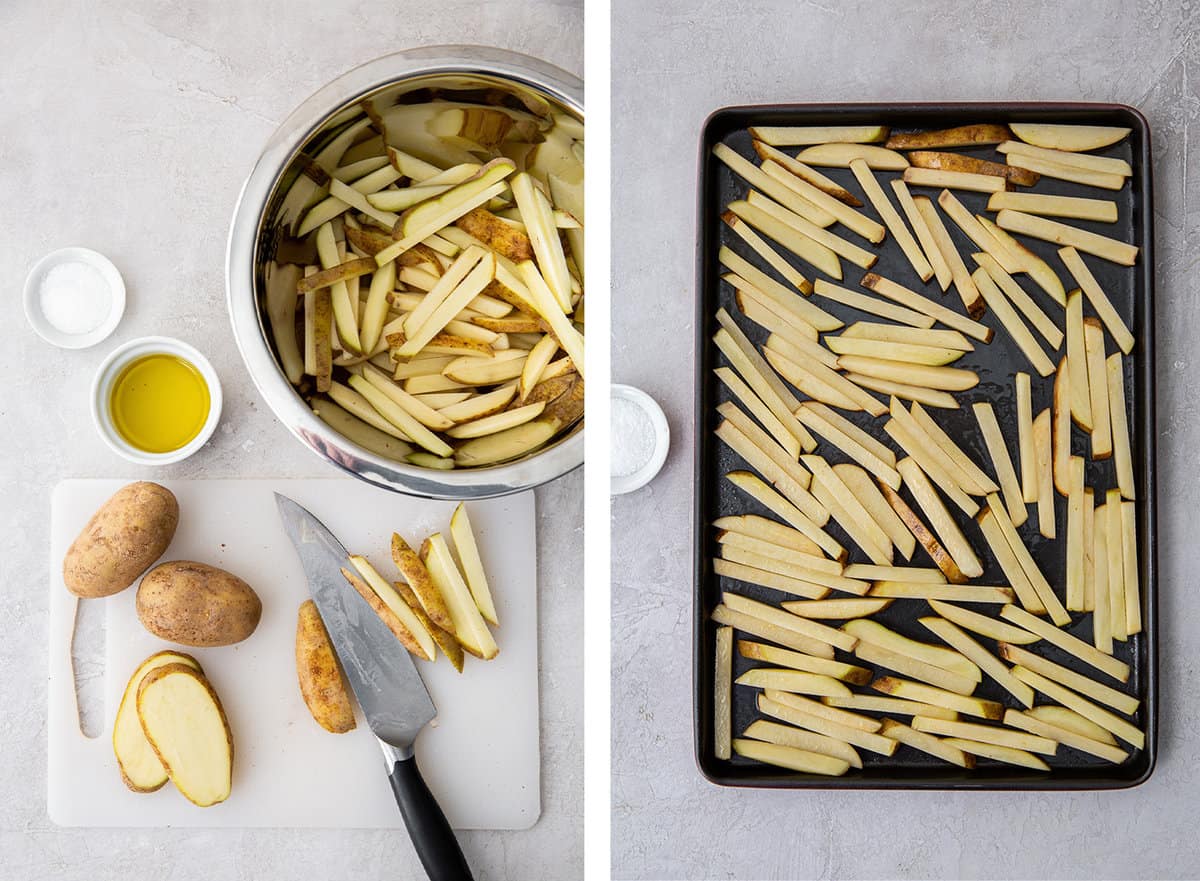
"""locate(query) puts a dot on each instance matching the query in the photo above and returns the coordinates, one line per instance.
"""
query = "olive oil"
(159, 403)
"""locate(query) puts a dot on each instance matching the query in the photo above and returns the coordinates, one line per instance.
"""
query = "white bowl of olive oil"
(156, 400)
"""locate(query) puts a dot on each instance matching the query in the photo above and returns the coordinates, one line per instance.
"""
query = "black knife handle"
(427, 827)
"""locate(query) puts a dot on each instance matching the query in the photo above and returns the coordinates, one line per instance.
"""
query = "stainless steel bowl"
(254, 235)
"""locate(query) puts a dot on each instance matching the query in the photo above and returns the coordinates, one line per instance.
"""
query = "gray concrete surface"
(128, 127)
(673, 63)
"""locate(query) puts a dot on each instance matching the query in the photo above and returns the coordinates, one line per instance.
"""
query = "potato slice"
(841, 155)
(935, 241)
(749, 574)
(959, 162)
(185, 724)
(1077, 373)
(345, 313)
(833, 242)
(468, 370)
(1065, 736)
(780, 298)
(823, 384)
(929, 458)
(1062, 171)
(976, 480)
(469, 626)
(822, 192)
(1089, 549)
(357, 405)
(419, 410)
(906, 352)
(799, 135)
(395, 613)
(792, 681)
(1069, 643)
(1068, 236)
(814, 561)
(497, 422)
(871, 305)
(786, 735)
(799, 661)
(867, 740)
(777, 262)
(989, 734)
(850, 513)
(1075, 550)
(951, 536)
(1123, 729)
(1004, 754)
(891, 219)
(399, 417)
(1082, 161)
(797, 519)
(811, 176)
(1002, 464)
(864, 489)
(774, 223)
(1116, 566)
(955, 180)
(928, 694)
(1062, 425)
(445, 640)
(762, 453)
(927, 743)
(801, 349)
(790, 758)
(871, 572)
(1074, 138)
(985, 660)
(723, 693)
(1037, 268)
(982, 624)
(1030, 567)
(766, 630)
(1045, 471)
(1025, 442)
(950, 660)
(140, 766)
(851, 440)
(788, 621)
(1132, 591)
(803, 580)
(1072, 721)
(1085, 685)
(978, 233)
(760, 309)
(1017, 296)
(1020, 334)
(893, 705)
(927, 376)
(913, 668)
(839, 609)
(905, 297)
(921, 533)
(960, 136)
(773, 187)
(929, 397)
(1122, 453)
(1099, 300)
(463, 536)
(1097, 380)
(1074, 207)
(823, 710)
(322, 683)
(958, 593)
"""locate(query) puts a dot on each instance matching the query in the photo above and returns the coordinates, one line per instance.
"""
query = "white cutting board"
(480, 756)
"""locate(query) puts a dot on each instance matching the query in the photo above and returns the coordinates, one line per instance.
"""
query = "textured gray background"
(128, 127)
(673, 63)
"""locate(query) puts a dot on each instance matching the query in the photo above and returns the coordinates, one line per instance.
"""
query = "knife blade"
(384, 679)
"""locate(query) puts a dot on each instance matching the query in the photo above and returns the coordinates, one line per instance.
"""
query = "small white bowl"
(626, 483)
(33, 305)
(120, 358)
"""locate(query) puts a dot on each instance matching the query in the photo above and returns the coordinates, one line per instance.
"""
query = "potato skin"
(322, 683)
(123, 539)
(197, 604)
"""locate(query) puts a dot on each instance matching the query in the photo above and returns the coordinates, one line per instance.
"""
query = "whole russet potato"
(197, 604)
(123, 539)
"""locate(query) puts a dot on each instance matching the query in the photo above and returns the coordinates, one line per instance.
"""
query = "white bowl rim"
(627, 483)
(111, 367)
(33, 309)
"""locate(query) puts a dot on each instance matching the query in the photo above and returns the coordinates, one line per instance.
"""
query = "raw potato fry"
(928, 458)
(1074, 138)
(463, 536)
(792, 681)
(414, 572)
(1045, 473)
(945, 527)
(956, 180)
(929, 246)
(855, 519)
(498, 235)
(927, 396)
(1040, 585)
(977, 233)
(851, 440)
(990, 734)
(824, 193)
(1001, 462)
(999, 753)
(357, 431)
(1068, 236)
(817, 563)
(1025, 443)
(339, 272)
(960, 136)
(773, 187)
(763, 311)
(544, 240)
(762, 529)
(985, 660)
(905, 297)
(766, 578)
(1062, 425)
(799, 661)
(1102, 635)
(357, 405)
(927, 743)
(978, 482)
(1099, 300)
(1089, 549)
(1021, 335)
(469, 626)
(913, 668)
(1037, 268)
(445, 640)
(799, 135)
(867, 740)
(809, 581)
(928, 376)
(1016, 294)
(1101, 164)
(963, 282)
(1097, 377)
(959, 162)
(813, 379)
(797, 519)
(872, 704)
(766, 630)
(345, 313)
(913, 574)
(1083, 684)
(835, 243)
(760, 410)
(1072, 721)
(1075, 551)
(936, 241)
(787, 735)
(723, 693)
(1071, 173)
(891, 219)
(1116, 566)
(764, 250)
(480, 405)
(399, 417)
(836, 609)
(1077, 373)
(1123, 729)
(1100, 210)
(824, 711)
(1133, 600)
(424, 333)
(420, 411)
(774, 223)
(871, 305)
(875, 633)
(839, 155)
(1073, 645)
(398, 617)
(800, 349)
(927, 694)
(893, 351)
(921, 533)
(1065, 736)
(982, 624)
(958, 593)
(770, 460)
(1122, 452)
(810, 175)
(787, 620)
(863, 488)
(790, 758)
(536, 363)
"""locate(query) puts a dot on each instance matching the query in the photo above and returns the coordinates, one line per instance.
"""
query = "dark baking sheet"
(1132, 292)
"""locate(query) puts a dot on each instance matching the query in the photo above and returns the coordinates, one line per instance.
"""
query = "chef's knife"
(384, 680)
